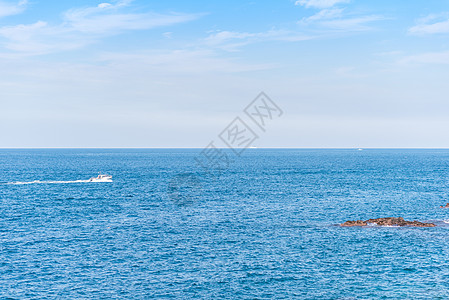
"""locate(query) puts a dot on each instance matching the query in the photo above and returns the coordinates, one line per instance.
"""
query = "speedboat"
(101, 178)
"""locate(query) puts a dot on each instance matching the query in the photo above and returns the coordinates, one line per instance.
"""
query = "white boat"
(101, 178)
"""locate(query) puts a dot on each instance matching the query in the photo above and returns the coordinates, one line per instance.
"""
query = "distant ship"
(360, 149)
(101, 178)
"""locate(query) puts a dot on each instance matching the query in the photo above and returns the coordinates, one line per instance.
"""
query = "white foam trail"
(54, 182)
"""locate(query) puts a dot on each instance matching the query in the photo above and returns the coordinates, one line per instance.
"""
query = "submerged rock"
(387, 222)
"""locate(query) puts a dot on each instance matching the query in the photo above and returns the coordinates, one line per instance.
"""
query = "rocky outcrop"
(354, 223)
(387, 222)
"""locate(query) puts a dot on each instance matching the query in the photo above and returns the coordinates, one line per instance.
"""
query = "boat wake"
(99, 178)
(55, 182)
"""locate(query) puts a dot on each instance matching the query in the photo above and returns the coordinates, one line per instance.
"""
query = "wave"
(375, 225)
(54, 182)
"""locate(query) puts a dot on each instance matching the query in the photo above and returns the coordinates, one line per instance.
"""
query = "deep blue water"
(264, 229)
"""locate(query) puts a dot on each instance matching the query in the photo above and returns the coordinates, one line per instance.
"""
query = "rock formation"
(387, 222)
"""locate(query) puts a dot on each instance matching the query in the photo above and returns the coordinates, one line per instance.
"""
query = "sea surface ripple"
(264, 229)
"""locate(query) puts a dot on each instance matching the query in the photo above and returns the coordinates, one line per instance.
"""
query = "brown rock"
(387, 222)
(354, 223)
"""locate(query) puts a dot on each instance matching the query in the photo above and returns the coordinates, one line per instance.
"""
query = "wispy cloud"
(339, 19)
(9, 9)
(352, 24)
(83, 26)
(432, 24)
(327, 21)
(325, 14)
(320, 3)
(107, 18)
(35, 38)
(232, 40)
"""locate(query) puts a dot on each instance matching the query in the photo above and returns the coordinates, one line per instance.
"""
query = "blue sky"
(347, 73)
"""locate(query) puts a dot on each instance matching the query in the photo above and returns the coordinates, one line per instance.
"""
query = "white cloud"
(320, 3)
(225, 36)
(9, 9)
(104, 5)
(352, 24)
(324, 23)
(324, 14)
(432, 24)
(336, 20)
(168, 35)
(107, 18)
(115, 23)
(83, 26)
(39, 38)
(232, 40)
(339, 19)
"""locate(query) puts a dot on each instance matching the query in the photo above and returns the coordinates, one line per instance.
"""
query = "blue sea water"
(266, 228)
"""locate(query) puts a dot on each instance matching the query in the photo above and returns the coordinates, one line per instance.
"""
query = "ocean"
(265, 226)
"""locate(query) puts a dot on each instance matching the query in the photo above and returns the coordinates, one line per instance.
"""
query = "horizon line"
(254, 148)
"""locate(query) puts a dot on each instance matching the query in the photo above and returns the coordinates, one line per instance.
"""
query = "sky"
(142, 73)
